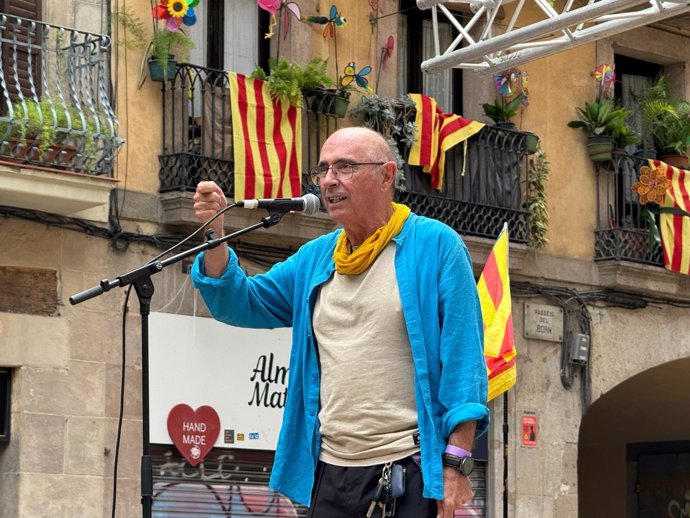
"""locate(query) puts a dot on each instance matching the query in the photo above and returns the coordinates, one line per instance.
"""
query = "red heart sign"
(194, 432)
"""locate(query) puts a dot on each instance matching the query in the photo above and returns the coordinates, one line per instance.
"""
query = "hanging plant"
(537, 175)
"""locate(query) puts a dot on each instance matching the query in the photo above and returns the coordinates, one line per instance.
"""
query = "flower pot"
(531, 142)
(599, 147)
(506, 125)
(327, 101)
(649, 154)
(156, 72)
(676, 160)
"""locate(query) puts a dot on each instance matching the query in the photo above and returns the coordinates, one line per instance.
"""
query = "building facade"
(594, 426)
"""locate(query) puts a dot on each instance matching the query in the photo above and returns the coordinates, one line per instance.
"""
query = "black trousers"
(347, 492)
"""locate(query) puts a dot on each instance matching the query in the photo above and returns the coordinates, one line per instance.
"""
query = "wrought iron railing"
(54, 103)
(622, 232)
(197, 130)
(484, 186)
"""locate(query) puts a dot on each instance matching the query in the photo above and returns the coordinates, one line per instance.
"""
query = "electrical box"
(579, 348)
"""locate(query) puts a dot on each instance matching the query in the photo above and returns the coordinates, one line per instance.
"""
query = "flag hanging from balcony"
(437, 132)
(675, 218)
(494, 296)
(267, 141)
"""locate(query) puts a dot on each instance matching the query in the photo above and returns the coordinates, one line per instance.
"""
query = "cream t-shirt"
(368, 414)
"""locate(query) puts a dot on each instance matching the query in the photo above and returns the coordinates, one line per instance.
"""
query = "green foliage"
(131, 28)
(665, 121)
(603, 117)
(501, 110)
(165, 43)
(654, 238)
(538, 174)
(50, 122)
(287, 80)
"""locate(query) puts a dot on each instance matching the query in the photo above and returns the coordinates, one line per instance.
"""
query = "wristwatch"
(463, 464)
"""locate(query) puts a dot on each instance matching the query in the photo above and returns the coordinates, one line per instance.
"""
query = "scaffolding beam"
(554, 32)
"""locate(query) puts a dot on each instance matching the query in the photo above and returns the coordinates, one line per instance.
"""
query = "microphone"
(308, 204)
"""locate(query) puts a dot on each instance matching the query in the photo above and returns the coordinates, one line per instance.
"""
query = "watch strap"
(457, 451)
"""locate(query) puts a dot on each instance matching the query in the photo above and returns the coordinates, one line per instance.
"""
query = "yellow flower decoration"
(178, 8)
(652, 185)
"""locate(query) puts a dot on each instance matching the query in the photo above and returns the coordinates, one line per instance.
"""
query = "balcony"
(621, 233)
(55, 117)
(476, 198)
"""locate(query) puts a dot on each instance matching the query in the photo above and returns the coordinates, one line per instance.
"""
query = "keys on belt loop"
(382, 495)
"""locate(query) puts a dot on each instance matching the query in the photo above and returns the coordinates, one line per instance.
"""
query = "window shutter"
(22, 53)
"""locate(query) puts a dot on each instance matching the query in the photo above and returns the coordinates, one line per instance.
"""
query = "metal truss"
(534, 33)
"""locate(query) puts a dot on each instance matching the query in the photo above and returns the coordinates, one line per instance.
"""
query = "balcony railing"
(622, 233)
(55, 109)
(197, 145)
(490, 191)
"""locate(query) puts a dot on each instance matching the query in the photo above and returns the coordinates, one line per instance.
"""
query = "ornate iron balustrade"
(622, 233)
(482, 187)
(477, 196)
(197, 130)
(54, 104)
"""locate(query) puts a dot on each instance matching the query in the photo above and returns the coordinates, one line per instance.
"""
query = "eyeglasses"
(342, 170)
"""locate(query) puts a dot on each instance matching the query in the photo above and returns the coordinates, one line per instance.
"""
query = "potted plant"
(666, 124)
(49, 130)
(501, 111)
(600, 121)
(294, 83)
(165, 49)
(169, 43)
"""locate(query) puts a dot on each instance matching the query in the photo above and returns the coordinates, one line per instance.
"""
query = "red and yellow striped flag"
(437, 132)
(494, 296)
(675, 218)
(267, 141)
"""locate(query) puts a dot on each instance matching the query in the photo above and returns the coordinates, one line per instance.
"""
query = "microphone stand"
(141, 279)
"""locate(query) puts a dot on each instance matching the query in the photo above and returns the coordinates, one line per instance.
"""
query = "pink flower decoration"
(269, 5)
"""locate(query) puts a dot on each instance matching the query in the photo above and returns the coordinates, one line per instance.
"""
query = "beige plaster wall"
(139, 112)
(627, 343)
(66, 387)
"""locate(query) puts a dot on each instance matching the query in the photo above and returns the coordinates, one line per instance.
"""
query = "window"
(446, 86)
(230, 35)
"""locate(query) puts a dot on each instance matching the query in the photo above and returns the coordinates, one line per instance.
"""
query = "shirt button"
(311, 413)
(314, 377)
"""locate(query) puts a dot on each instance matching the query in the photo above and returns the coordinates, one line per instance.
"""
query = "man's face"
(350, 201)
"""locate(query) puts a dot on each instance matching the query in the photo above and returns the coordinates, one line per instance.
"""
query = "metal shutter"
(228, 483)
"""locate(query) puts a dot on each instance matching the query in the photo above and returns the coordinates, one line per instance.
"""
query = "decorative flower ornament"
(176, 13)
(511, 82)
(652, 185)
(605, 77)
(178, 8)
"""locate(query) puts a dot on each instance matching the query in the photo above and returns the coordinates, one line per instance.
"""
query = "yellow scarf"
(354, 263)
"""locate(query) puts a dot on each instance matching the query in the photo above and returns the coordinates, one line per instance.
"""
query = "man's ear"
(389, 171)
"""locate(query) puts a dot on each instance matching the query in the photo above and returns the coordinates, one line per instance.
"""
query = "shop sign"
(193, 432)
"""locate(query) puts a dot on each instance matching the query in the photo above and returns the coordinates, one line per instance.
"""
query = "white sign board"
(543, 322)
(241, 373)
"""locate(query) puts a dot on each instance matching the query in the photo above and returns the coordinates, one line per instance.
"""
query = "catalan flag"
(437, 132)
(675, 218)
(494, 296)
(267, 141)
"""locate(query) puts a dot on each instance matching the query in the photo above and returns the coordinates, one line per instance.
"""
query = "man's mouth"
(335, 199)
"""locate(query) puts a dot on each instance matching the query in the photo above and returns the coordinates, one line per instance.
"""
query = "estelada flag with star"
(494, 296)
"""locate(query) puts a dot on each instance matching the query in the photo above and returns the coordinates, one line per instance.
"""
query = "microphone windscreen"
(312, 203)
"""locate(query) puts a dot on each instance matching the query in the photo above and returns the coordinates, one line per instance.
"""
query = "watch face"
(466, 466)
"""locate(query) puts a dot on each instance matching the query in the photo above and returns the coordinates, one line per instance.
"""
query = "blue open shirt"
(443, 318)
